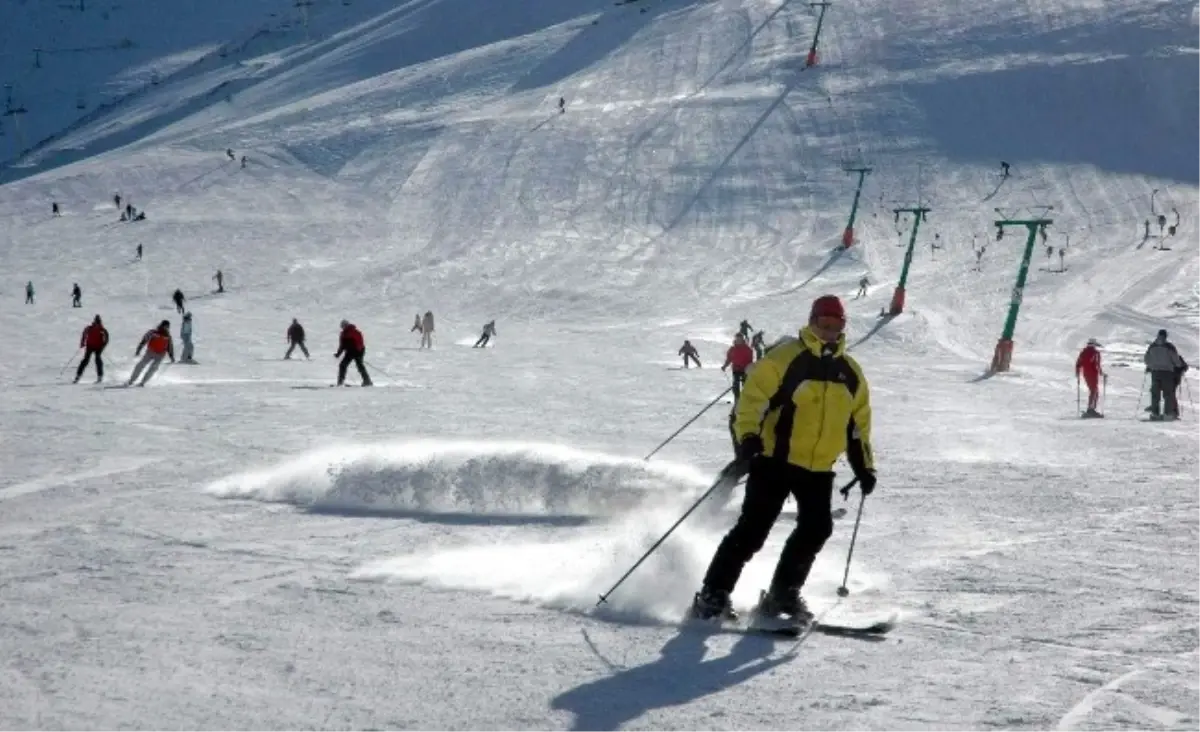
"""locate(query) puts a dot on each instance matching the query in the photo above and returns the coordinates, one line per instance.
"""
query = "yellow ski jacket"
(809, 403)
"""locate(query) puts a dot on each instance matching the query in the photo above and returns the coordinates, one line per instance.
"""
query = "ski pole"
(843, 591)
(68, 363)
(376, 368)
(689, 422)
(729, 472)
(1104, 395)
(1077, 405)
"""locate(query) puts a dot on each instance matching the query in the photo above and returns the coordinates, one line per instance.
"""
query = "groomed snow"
(238, 546)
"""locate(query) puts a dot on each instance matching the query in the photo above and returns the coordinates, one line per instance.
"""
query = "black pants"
(687, 357)
(483, 341)
(357, 358)
(739, 378)
(771, 481)
(1163, 388)
(294, 346)
(87, 356)
(179, 306)
(75, 301)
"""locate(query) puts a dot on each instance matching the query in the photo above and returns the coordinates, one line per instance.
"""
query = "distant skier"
(788, 445)
(863, 284)
(351, 344)
(739, 356)
(744, 329)
(185, 334)
(295, 336)
(427, 330)
(1003, 169)
(93, 340)
(489, 331)
(416, 324)
(562, 105)
(158, 344)
(76, 296)
(220, 278)
(117, 201)
(758, 343)
(178, 298)
(138, 257)
(1146, 231)
(1166, 368)
(1088, 366)
(689, 352)
(29, 292)
(229, 152)
(129, 211)
(243, 162)
(54, 211)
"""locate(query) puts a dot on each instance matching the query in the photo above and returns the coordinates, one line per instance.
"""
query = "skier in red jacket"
(352, 345)
(93, 339)
(1088, 365)
(739, 356)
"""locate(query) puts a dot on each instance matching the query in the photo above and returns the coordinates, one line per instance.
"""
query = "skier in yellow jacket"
(804, 404)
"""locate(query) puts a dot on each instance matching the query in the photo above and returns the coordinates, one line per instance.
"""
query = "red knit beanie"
(827, 305)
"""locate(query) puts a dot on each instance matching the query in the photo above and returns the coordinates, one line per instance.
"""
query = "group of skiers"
(1164, 368)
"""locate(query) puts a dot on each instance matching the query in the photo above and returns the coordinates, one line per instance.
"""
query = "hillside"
(428, 553)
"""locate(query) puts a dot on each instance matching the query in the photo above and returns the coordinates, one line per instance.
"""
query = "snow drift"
(439, 476)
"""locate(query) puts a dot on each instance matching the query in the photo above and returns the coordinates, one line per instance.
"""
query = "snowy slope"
(236, 546)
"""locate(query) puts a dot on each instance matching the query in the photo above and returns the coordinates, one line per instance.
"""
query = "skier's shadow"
(678, 676)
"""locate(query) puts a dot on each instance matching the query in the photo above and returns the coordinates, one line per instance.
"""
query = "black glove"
(866, 481)
(750, 448)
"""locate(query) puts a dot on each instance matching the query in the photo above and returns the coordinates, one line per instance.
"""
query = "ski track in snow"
(238, 546)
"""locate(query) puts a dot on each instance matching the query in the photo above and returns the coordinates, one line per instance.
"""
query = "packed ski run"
(756, 375)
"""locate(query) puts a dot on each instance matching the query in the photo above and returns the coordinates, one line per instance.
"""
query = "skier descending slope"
(352, 344)
(157, 343)
(803, 405)
(1088, 366)
(93, 340)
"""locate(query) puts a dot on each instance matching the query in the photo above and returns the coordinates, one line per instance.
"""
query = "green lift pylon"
(1002, 359)
(848, 234)
(919, 214)
(812, 50)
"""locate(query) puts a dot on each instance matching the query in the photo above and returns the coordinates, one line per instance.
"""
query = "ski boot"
(713, 605)
(784, 607)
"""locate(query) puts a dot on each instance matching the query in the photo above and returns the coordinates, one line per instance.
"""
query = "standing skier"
(185, 334)
(54, 210)
(805, 404)
(117, 200)
(352, 345)
(76, 296)
(688, 351)
(138, 258)
(178, 298)
(93, 339)
(1166, 368)
(295, 336)
(427, 330)
(758, 344)
(863, 284)
(157, 343)
(1088, 365)
(744, 329)
(220, 278)
(489, 331)
(740, 357)
(29, 292)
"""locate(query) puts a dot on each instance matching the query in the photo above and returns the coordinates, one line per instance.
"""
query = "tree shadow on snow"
(680, 675)
(451, 518)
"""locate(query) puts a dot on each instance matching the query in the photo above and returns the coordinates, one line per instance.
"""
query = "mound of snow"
(476, 477)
